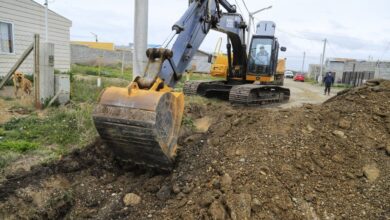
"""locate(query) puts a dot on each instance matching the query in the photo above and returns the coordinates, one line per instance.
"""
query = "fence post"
(37, 102)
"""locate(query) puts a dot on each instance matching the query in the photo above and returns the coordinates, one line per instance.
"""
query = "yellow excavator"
(141, 122)
(219, 65)
(251, 79)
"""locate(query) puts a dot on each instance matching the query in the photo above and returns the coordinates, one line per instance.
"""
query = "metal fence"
(356, 78)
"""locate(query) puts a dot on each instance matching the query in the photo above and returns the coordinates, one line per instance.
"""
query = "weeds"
(20, 146)
(86, 90)
(188, 122)
(57, 130)
(61, 127)
(106, 71)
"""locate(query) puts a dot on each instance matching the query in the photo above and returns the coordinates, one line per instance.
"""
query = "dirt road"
(302, 93)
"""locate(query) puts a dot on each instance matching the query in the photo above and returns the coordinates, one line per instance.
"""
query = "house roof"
(42, 6)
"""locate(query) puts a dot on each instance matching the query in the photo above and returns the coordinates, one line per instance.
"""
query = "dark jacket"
(328, 80)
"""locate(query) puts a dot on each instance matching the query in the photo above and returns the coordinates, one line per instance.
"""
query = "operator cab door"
(261, 58)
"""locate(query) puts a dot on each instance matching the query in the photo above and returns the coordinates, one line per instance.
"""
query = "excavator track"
(244, 94)
(250, 94)
(191, 87)
(209, 89)
(145, 135)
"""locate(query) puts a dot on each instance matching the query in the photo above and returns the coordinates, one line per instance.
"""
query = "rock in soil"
(131, 199)
(217, 211)
(226, 182)
(202, 124)
(344, 124)
(164, 193)
(371, 172)
(239, 206)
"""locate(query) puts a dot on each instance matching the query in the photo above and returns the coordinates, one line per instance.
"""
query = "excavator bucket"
(141, 123)
(140, 126)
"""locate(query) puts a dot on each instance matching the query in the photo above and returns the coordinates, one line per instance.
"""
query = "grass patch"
(7, 157)
(310, 80)
(342, 86)
(57, 130)
(86, 90)
(62, 127)
(106, 71)
(19, 146)
(188, 122)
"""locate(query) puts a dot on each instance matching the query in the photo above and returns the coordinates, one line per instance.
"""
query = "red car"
(299, 77)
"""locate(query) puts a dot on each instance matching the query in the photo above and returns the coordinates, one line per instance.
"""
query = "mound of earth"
(329, 161)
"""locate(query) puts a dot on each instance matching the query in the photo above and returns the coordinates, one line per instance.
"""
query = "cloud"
(349, 34)
(337, 25)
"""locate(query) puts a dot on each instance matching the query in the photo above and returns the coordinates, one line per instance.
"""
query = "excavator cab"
(263, 54)
(260, 54)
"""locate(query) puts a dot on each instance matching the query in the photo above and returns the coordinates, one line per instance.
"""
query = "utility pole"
(123, 62)
(323, 58)
(303, 62)
(46, 21)
(140, 36)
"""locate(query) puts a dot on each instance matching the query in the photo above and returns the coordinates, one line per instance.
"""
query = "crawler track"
(258, 94)
(244, 94)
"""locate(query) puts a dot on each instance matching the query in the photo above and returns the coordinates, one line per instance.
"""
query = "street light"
(251, 19)
(95, 36)
(46, 21)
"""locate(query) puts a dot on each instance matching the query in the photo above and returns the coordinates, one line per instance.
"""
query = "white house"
(19, 21)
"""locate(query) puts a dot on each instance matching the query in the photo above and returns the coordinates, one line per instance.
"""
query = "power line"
(243, 1)
(239, 8)
(297, 36)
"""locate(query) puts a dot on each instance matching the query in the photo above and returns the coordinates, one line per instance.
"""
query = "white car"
(289, 74)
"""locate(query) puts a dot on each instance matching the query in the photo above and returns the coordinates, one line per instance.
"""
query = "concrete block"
(62, 83)
(46, 72)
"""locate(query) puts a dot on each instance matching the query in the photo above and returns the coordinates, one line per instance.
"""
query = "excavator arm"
(141, 122)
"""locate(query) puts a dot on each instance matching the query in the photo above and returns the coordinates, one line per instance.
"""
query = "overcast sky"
(354, 28)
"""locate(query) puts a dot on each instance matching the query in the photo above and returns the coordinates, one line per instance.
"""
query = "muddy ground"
(328, 161)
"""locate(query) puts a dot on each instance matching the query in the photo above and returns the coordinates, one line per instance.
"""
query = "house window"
(6, 37)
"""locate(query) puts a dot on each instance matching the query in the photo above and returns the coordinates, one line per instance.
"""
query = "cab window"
(260, 54)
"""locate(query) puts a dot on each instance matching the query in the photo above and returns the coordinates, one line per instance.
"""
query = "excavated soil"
(328, 161)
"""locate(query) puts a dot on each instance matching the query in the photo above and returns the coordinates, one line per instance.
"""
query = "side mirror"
(210, 58)
(283, 49)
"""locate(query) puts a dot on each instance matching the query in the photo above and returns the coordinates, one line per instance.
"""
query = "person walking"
(328, 81)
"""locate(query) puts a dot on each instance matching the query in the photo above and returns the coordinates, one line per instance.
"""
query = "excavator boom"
(141, 122)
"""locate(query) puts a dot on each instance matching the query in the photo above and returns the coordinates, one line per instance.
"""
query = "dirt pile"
(315, 162)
